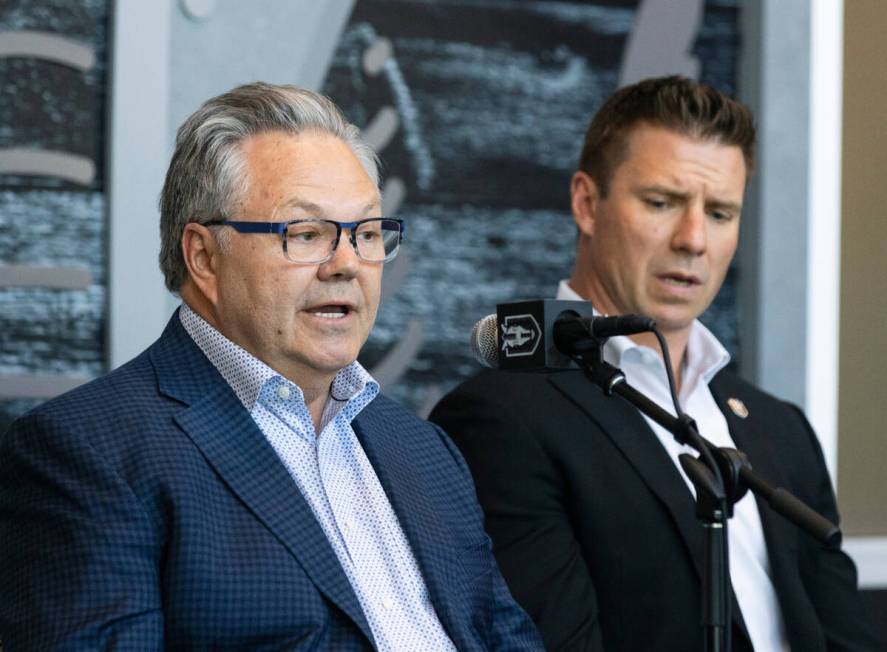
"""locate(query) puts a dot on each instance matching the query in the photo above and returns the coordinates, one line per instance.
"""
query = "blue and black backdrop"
(479, 109)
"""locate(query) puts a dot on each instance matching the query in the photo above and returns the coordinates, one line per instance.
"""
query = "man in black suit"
(591, 516)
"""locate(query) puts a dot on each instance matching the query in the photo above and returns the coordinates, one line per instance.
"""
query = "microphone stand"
(721, 477)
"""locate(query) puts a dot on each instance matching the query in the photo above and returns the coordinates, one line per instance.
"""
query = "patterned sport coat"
(146, 511)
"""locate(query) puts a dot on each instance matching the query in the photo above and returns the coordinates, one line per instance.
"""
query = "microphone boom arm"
(739, 474)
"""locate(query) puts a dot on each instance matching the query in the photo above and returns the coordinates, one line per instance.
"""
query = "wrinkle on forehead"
(301, 206)
(683, 165)
(311, 172)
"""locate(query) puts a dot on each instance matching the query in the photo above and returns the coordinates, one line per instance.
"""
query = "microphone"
(545, 333)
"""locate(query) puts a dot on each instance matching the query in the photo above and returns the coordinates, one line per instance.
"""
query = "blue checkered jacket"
(146, 511)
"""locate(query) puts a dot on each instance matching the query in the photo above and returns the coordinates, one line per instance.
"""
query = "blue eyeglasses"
(314, 241)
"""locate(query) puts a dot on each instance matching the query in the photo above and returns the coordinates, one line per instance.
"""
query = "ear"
(584, 201)
(201, 253)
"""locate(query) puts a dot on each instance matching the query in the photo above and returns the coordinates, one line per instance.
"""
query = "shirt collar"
(246, 374)
(705, 355)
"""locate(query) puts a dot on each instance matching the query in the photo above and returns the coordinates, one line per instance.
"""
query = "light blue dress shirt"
(337, 480)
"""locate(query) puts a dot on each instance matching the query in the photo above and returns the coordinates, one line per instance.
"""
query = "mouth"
(331, 310)
(680, 280)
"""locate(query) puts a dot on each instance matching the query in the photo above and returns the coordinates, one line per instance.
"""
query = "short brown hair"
(674, 103)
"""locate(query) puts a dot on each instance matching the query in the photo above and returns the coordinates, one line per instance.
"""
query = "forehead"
(319, 169)
(659, 154)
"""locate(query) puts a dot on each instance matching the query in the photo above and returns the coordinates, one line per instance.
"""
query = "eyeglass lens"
(310, 241)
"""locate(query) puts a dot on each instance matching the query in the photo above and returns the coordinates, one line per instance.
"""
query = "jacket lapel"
(393, 454)
(751, 435)
(631, 434)
(236, 449)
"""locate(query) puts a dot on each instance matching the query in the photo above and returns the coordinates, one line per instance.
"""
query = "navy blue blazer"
(146, 510)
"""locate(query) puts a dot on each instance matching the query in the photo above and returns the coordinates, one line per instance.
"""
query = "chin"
(334, 363)
(672, 324)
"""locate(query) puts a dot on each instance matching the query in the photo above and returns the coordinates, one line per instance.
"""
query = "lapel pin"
(738, 407)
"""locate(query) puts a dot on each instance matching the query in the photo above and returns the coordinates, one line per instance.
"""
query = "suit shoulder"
(503, 387)
(393, 412)
(384, 412)
(108, 389)
(508, 409)
(781, 420)
(425, 436)
(115, 414)
(730, 384)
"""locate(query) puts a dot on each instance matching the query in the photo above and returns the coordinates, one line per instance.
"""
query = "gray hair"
(207, 180)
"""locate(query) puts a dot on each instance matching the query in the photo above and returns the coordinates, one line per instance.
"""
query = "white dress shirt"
(705, 357)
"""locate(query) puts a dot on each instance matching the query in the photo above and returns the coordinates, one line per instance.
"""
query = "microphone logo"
(520, 335)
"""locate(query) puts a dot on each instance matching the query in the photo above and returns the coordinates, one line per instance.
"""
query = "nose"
(690, 234)
(344, 262)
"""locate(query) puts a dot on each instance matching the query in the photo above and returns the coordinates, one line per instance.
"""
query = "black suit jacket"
(594, 528)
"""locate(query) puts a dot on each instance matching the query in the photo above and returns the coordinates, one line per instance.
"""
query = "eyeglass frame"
(280, 229)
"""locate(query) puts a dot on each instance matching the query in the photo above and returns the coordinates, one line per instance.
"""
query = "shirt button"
(349, 524)
(283, 392)
(386, 602)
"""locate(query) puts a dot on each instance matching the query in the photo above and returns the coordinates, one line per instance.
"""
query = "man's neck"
(315, 390)
(676, 340)
(677, 349)
(316, 398)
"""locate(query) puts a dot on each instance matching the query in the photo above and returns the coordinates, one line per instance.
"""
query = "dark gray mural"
(485, 104)
(477, 107)
(52, 205)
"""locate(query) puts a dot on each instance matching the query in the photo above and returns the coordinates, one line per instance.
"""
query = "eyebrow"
(683, 196)
(315, 209)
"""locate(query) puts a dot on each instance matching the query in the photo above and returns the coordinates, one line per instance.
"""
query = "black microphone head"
(484, 343)
(519, 335)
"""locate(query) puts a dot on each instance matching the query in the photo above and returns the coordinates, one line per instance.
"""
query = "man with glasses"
(242, 484)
